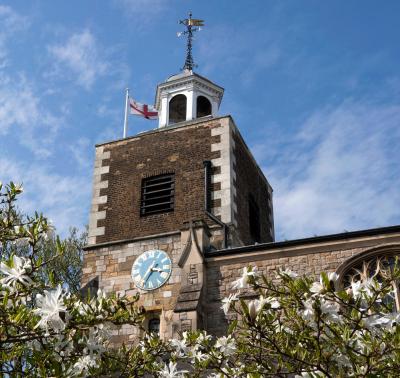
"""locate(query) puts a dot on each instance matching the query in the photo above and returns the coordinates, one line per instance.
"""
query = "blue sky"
(313, 86)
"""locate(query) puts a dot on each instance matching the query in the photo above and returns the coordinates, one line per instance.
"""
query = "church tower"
(165, 198)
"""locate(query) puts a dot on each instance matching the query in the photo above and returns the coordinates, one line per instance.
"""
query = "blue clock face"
(151, 270)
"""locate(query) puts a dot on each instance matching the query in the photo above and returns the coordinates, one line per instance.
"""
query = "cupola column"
(190, 107)
(163, 120)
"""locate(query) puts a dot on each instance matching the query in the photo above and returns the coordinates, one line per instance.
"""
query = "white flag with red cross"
(142, 110)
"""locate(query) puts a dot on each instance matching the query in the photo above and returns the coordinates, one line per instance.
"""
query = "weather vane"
(192, 25)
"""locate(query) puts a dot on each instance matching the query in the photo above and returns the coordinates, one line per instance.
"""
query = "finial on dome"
(192, 25)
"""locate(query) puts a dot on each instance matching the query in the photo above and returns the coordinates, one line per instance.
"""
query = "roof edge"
(165, 128)
(304, 241)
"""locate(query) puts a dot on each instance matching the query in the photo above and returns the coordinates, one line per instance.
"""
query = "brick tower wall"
(181, 151)
(249, 180)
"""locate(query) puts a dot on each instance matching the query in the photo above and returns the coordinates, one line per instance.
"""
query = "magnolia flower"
(17, 273)
(288, 272)
(308, 313)
(199, 355)
(170, 371)
(386, 321)
(243, 282)
(256, 305)
(330, 309)
(273, 302)
(368, 287)
(310, 374)
(227, 302)
(19, 188)
(203, 337)
(94, 342)
(226, 345)
(180, 347)
(49, 308)
(83, 364)
(319, 287)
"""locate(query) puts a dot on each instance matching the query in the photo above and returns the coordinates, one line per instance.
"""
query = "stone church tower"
(178, 211)
(189, 187)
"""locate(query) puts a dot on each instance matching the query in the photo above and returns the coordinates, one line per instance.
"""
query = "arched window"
(177, 109)
(203, 107)
(376, 262)
(154, 326)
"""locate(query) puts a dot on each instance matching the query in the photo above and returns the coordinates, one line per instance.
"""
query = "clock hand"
(157, 270)
(148, 272)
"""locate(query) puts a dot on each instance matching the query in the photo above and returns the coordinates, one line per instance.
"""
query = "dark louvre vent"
(254, 219)
(157, 194)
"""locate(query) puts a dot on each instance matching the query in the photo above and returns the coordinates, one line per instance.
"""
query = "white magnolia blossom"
(256, 305)
(49, 308)
(308, 313)
(288, 272)
(171, 371)
(311, 374)
(228, 301)
(94, 342)
(226, 345)
(368, 287)
(17, 273)
(330, 309)
(243, 281)
(82, 366)
(319, 287)
(180, 346)
(203, 337)
(273, 302)
(95, 305)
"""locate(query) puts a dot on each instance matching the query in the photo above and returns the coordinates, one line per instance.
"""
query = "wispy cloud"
(82, 55)
(339, 172)
(10, 22)
(23, 113)
(235, 48)
(143, 11)
(59, 197)
(79, 151)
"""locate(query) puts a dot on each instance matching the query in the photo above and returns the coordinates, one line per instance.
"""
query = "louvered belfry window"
(157, 194)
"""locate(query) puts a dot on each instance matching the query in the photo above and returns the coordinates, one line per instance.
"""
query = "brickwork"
(250, 180)
(178, 150)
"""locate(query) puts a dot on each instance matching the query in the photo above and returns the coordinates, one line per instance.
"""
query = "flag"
(142, 110)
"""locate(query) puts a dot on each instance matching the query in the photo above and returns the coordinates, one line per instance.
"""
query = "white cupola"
(185, 97)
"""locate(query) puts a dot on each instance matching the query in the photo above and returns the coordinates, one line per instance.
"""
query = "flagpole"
(126, 112)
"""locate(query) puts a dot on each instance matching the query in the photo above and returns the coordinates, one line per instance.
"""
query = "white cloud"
(143, 11)
(59, 197)
(81, 54)
(10, 22)
(235, 48)
(79, 151)
(23, 114)
(340, 172)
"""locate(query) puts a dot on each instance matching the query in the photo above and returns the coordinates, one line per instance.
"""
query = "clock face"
(151, 269)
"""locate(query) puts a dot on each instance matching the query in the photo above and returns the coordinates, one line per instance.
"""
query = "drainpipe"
(207, 201)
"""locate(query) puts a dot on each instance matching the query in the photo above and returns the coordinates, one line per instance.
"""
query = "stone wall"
(112, 265)
(307, 259)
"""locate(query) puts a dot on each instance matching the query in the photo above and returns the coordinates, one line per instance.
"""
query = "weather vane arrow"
(192, 25)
